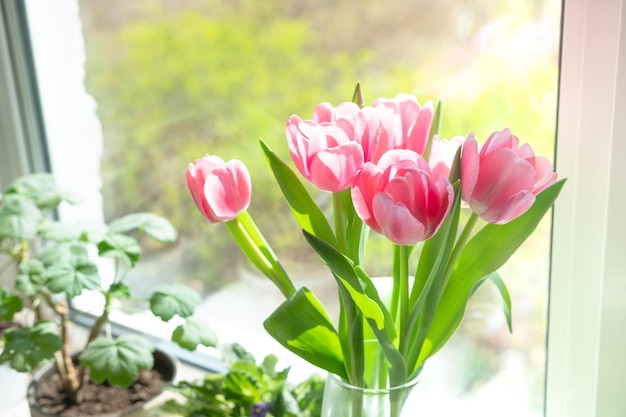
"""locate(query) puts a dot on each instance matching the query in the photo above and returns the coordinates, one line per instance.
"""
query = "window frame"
(587, 314)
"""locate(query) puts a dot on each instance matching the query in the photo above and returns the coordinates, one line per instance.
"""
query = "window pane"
(175, 80)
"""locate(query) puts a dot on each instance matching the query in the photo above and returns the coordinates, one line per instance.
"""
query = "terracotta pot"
(164, 363)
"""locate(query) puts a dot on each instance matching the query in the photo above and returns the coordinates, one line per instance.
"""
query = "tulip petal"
(396, 221)
(227, 190)
(509, 209)
(334, 169)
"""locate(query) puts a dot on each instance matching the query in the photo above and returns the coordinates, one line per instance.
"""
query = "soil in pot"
(101, 400)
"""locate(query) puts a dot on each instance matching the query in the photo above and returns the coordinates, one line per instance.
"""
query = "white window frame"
(587, 312)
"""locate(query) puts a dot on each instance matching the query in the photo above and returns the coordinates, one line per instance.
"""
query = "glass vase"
(344, 400)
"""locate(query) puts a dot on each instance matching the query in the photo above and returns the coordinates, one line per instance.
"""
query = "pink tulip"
(442, 155)
(326, 153)
(406, 126)
(500, 182)
(221, 190)
(400, 199)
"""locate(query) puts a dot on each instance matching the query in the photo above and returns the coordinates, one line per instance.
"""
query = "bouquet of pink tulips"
(389, 172)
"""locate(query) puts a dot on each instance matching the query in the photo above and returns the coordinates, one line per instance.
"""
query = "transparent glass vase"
(344, 400)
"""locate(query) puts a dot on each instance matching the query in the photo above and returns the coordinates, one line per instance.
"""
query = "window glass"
(174, 80)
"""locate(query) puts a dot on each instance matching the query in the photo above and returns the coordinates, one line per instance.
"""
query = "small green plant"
(56, 261)
(248, 389)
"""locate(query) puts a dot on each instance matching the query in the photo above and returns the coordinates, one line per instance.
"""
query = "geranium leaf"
(59, 232)
(307, 213)
(302, 325)
(194, 332)
(72, 277)
(41, 188)
(487, 251)
(9, 305)
(19, 217)
(27, 348)
(168, 301)
(116, 245)
(118, 361)
(156, 226)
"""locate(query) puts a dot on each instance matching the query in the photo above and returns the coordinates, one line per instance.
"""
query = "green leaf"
(174, 299)
(72, 278)
(487, 251)
(59, 232)
(118, 361)
(19, 218)
(41, 188)
(31, 277)
(192, 333)
(120, 246)
(9, 305)
(234, 352)
(120, 291)
(504, 294)
(154, 225)
(302, 325)
(64, 253)
(307, 213)
(366, 298)
(28, 347)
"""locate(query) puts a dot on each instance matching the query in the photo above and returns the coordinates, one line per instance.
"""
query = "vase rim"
(373, 391)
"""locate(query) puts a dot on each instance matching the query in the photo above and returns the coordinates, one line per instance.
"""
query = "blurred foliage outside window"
(175, 80)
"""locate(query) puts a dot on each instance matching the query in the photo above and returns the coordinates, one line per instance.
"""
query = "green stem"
(340, 228)
(458, 248)
(255, 247)
(403, 260)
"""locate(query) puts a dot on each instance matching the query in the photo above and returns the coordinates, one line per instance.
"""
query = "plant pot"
(97, 403)
(12, 386)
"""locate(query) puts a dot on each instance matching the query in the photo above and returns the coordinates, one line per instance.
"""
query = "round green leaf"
(19, 217)
(27, 348)
(118, 361)
(170, 300)
(156, 226)
(9, 305)
(72, 278)
(116, 245)
(194, 332)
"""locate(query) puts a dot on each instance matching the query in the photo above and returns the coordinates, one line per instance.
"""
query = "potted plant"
(246, 389)
(57, 261)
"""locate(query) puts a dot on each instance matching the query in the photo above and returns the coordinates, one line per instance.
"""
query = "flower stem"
(255, 247)
(340, 228)
(403, 260)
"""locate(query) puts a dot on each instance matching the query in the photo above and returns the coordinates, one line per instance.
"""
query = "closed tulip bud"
(400, 199)
(221, 190)
(501, 181)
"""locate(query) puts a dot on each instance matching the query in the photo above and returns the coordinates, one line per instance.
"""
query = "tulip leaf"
(506, 298)
(155, 226)
(483, 254)
(303, 326)
(118, 361)
(168, 301)
(28, 347)
(365, 296)
(193, 332)
(308, 215)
